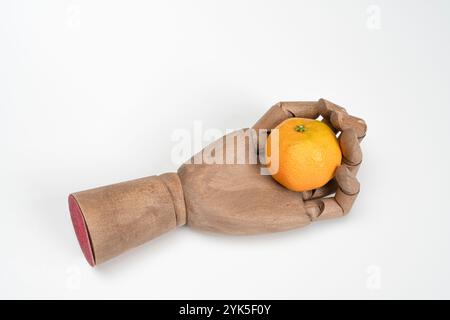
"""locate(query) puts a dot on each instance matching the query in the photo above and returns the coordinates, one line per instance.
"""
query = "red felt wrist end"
(81, 230)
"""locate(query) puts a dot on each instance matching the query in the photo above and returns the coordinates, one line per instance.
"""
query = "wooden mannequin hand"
(234, 197)
(223, 190)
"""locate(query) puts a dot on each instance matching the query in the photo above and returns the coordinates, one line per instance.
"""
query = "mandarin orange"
(308, 154)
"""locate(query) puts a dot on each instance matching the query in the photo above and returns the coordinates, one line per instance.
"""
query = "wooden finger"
(343, 122)
(285, 110)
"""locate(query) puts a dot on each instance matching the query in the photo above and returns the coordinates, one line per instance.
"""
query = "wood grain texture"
(125, 215)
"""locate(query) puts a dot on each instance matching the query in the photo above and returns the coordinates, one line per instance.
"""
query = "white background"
(91, 91)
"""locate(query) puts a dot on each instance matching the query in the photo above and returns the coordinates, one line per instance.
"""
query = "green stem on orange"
(300, 128)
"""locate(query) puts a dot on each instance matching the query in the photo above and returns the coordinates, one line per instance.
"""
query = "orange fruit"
(308, 154)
